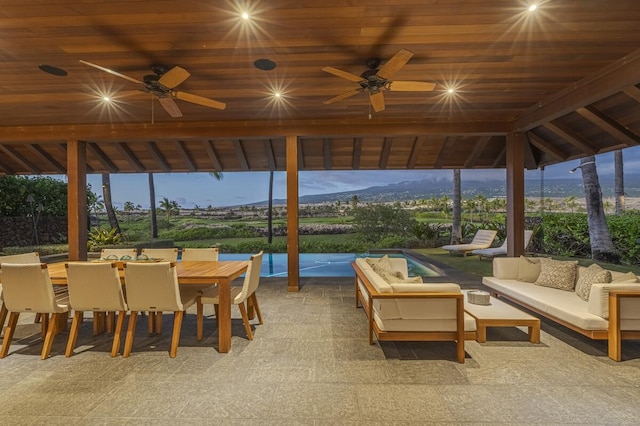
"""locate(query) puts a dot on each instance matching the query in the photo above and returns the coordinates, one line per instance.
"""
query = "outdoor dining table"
(193, 273)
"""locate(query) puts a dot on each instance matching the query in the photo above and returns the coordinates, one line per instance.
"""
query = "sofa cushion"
(528, 269)
(591, 275)
(557, 274)
(629, 277)
(380, 265)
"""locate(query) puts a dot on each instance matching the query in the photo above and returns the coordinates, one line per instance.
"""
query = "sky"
(237, 188)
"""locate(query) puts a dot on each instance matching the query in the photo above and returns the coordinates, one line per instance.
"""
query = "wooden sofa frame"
(614, 334)
(381, 335)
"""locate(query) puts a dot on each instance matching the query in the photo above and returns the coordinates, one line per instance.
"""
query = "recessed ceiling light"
(277, 94)
(245, 16)
(50, 69)
(106, 98)
(533, 7)
(264, 64)
(451, 90)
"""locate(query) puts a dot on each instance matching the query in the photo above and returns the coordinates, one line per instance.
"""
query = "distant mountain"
(425, 189)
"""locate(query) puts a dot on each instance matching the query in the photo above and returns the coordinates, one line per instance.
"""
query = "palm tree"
(354, 202)
(152, 203)
(602, 247)
(108, 204)
(169, 207)
(456, 227)
(619, 181)
(128, 208)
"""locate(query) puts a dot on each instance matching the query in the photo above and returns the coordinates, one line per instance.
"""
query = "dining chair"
(95, 287)
(118, 252)
(28, 288)
(166, 254)
(153, 287)
(33, 257)
(239, 295)
(200, 254)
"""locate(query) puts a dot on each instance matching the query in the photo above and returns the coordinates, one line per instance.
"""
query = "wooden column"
(515, 193)
(77, 199)
(292, 214)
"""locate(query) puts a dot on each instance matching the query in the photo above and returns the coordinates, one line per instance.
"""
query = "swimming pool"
(323, 264)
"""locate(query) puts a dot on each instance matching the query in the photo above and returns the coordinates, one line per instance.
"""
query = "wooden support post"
(292, 214)
(77, 199)
(515, 193)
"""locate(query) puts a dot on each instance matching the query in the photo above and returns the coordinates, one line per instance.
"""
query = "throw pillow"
(380, 265)
(391, 276)
(528, 269)
(593, 274)
(629, 277)
(416, 280)
(557, 274)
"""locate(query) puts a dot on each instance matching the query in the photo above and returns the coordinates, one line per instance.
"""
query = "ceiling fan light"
(264, 64)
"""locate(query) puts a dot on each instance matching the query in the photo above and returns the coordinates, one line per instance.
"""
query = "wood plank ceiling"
(566, 74)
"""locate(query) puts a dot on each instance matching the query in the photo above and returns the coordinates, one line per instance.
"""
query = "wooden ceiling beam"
(633, 92)
(357, 151)
(384, 154)
(478, 149)
(326, 152)
(29, 167)
(130, 157)
(246, 129)
(415, 152)
(440, 158)
(157, 155)
(184, 154)
(501, 159)
(213, 156)
(609, 125)
(242, 156)
(6, 169)
(571, 137)
(547, 147)
(530, 162)
(104, 159)
(44, 156)
(610, 80)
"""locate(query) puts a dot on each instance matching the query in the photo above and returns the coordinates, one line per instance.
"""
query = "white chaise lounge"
(482, 240)
(502, 250)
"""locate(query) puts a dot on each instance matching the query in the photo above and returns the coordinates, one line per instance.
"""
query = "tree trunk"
(108, 204)
(601, 244)
(270, 210)
(456, 228)
(619, 181)
(152, 210)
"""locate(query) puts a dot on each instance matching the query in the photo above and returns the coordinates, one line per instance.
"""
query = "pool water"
(323, 264)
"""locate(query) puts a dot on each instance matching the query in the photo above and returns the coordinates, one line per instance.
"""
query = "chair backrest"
(33, 257)
(152, 287)
(119, 253)
(95, 287)
(166, 254)
(251, 278)
(27, 287)
(202, 254)
(527, 238)
(484, 237)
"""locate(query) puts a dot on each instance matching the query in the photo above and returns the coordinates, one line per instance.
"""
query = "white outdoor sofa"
(400, 311)
(612, 311)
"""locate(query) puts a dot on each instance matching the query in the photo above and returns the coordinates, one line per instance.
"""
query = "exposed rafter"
(242, 156)
(546, 147)
(211, 152)
(609, 125)
(184, 154)
(357, 151)
(20, 159)
(480, 146)
(103, 158)
(571, 137)
(384, 155)
(157, 155)
(130, 157)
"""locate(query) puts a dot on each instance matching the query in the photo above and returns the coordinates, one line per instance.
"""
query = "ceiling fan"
(376, 80)
(162, 84)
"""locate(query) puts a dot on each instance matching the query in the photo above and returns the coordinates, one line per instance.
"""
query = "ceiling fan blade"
(199, 100)
(343, 74)
(170, 106)
(117, 74)
(410, 86)
(174, 77)
(394, 64)
(377, 101)
(343, 96)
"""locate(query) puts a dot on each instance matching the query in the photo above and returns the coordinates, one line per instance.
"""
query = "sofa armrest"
(599, 296)
(619, 301)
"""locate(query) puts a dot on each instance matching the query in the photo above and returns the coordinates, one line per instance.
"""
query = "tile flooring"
(311, 364)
